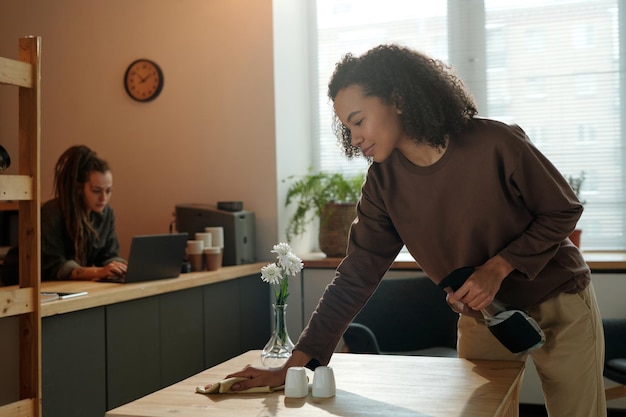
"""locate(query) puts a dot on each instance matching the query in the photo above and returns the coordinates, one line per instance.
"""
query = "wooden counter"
(367, 385)
(102, 293)
(120, 342)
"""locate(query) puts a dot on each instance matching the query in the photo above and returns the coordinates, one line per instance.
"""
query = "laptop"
(153, 257)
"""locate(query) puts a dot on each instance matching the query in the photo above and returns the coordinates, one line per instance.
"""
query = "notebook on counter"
(153, 257)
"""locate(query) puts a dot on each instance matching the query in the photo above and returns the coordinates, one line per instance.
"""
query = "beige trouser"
(571, 361)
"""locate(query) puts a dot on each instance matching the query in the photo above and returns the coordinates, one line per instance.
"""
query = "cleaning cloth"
(224, 387)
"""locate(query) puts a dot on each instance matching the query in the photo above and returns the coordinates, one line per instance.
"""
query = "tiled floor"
(534, 410)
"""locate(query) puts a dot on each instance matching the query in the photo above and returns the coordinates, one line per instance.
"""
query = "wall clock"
(143, 80)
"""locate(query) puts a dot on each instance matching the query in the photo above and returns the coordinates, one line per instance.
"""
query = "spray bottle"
(514, 328)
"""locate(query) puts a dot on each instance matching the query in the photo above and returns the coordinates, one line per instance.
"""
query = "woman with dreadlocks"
(78, 239)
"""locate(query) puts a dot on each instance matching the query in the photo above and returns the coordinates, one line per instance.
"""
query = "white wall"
(292, 71)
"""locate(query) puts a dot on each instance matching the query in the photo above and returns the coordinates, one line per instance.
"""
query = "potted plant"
(330, 197)
(576, 183)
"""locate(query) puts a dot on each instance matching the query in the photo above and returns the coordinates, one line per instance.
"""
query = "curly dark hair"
(71, 172)
(433, 101)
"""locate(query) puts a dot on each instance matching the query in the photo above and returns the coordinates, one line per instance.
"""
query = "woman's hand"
(113, 269)
(258, 377)
(461, 308)
(94, 273)
(481, 287)
(274, 377)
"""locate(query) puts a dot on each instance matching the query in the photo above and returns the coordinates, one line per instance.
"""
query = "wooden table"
(367, 385)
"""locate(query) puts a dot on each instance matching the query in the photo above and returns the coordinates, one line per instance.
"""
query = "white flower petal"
(281, 249)
(292, 264)
(271, 273)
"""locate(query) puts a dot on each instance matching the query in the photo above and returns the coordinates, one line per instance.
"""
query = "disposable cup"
(195, 254)
(213, 258)
(217, 235)
(206, 238)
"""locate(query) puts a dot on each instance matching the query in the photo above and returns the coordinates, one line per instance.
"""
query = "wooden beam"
(22, 408)
(15, 302)
(16, 187)
(15, 73)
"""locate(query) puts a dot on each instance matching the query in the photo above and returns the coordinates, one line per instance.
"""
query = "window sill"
(597, 261)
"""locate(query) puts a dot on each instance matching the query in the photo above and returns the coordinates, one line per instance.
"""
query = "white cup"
(195, 247)
(324, 382)
(296, 384)
(206, 238)
(217, 235)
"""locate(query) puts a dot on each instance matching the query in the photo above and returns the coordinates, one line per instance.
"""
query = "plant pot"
(335, 222)
(575, 237)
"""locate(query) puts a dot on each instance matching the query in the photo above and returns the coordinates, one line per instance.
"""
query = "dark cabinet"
(182, 341)
(255, 320)
(237, 318)
(133, 352)
(74, 364)
(222, 318)
(100, 358)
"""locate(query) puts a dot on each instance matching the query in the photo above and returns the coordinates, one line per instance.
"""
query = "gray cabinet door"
(133, 350)
(256, 312)
(73, 364)
(182, 341)
(222, 339)
(237, 318)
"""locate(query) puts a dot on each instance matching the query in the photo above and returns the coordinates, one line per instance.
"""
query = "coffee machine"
(238, 224)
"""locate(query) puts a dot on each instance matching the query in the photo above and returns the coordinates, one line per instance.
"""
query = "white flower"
(291, 264)
(281, 249)
(287, 264)
(271, 273)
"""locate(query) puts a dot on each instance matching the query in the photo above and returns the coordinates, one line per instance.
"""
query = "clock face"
(143, 80)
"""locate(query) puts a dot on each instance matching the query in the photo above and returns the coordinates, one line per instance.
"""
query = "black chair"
(405, 316)
(615, 356)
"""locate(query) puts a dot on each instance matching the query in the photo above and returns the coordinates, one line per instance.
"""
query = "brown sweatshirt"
(492, 192)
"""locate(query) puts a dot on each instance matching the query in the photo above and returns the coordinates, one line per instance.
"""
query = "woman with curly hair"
(78, 239)
(457, 191)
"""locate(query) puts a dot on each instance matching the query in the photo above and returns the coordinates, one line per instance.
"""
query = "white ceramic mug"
(217, 235)
(296, 384)
(324, 382)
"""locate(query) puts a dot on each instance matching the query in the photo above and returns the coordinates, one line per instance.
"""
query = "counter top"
(597, 261)
(366, 385)
(103, 293)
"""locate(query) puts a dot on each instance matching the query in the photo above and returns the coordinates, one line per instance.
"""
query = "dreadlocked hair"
(433, 102)
(71, 172)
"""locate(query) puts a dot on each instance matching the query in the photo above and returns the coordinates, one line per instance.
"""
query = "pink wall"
(209, 136)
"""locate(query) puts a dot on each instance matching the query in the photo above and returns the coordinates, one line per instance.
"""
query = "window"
(551, 66)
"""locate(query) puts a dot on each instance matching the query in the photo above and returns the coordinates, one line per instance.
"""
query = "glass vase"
(278, 349)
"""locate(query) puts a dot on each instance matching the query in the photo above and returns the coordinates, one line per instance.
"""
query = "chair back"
(615, 356)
